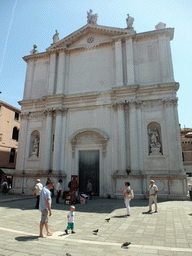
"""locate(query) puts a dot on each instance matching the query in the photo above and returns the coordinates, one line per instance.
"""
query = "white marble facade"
(107, 89)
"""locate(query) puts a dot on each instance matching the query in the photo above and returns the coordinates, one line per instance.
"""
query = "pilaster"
(21, 155)
(63, 141)
(29, 80)
(130, 62)
(48, 137)
(134, 147)
(166, 66)
(61, 73)
(57, 142)
(119, 63)
(52, 74)
(175, 157)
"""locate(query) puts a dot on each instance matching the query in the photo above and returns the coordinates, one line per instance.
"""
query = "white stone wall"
(104, 95)
(91, 70)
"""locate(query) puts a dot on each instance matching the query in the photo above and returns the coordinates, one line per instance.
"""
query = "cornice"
(93, 99)
(169, 32)
(88, 28)
(36, 56)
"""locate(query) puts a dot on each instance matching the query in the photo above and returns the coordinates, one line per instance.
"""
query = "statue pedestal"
(33, 155)
(155, 151)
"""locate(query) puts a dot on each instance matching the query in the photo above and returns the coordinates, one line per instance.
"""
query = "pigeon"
(126, 244)
(67, 254)
(95, 231)
(108, 219)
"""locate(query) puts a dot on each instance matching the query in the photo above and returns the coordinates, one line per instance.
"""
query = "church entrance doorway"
(89, 170)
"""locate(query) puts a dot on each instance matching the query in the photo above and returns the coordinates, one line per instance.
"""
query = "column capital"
(135, 103)
(60, 111)
(48, 112)
(119, 105)
(24, 116)
(170, 101)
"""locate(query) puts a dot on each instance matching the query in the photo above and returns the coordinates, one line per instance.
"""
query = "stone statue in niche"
(91, 18)
(35, 147)
(56, 37)
(155, 145)
(129, 21)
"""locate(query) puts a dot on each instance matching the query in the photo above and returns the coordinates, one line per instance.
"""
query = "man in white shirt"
(37, 191)
(152, 195)
(58, 189)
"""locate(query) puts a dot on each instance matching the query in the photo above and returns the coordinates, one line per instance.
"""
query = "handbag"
(130, 195)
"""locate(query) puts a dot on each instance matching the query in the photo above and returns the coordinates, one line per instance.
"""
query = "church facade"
(101, 104)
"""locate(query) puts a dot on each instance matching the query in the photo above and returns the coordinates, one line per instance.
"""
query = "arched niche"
(89, 137)
(154, 139)
(34, 144)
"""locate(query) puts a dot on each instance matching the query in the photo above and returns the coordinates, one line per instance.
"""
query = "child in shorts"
(71, 220)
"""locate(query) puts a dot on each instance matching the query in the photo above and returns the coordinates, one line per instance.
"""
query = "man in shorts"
(45, 207)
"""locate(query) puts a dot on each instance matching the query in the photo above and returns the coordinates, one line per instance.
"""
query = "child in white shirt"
(71, 220)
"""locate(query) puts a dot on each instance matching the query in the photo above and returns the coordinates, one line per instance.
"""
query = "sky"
(24, 23)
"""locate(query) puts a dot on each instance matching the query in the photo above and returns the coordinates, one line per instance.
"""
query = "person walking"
(152, 195)
(37, 191)
(45, 207)
(58, 189)
(127, 200)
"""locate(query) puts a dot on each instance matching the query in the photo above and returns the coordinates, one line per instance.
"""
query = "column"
(21, 154)
(28, 80)
(57, 142)
(134, 149)
(130, 62)
(119, 63)
(61, 73)
(165, 60)
(121, 137)
(48, 139)
(63, 141)
(52, 74)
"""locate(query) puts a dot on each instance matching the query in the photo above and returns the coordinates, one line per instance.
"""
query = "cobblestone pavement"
(168, 232)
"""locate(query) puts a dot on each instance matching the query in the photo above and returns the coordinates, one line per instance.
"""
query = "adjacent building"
(186, 143)
(9, 135)
(101, 104)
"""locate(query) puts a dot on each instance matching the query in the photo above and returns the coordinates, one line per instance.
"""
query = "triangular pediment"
(90, 35)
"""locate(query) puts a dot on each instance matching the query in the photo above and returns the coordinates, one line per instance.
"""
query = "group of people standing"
(39, 187)
(151, 194)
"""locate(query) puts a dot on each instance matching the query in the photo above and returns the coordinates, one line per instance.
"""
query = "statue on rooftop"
(129, 21)
(34, 51)
(160, 25)
(56, 37)
(91, 18)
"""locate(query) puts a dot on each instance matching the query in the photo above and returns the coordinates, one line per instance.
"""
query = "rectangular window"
(16, 116)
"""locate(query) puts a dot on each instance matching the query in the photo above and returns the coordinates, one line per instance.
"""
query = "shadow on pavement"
(119, 216)
(96, 205)
(27, 238)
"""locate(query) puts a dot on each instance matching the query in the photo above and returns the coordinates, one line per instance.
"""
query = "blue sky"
(27, 22)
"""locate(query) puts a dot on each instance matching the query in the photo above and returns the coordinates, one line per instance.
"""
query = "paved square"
(168, 232)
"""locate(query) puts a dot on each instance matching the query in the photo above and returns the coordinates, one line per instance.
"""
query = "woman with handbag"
(127, 198)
